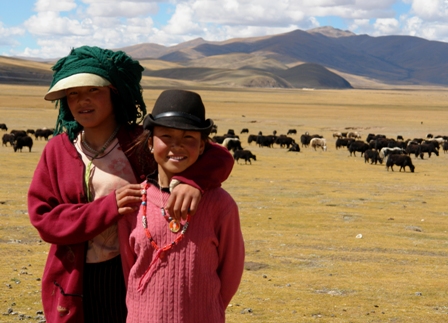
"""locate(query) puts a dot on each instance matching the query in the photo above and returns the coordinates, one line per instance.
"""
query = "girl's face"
(91, 106)
(175, 150)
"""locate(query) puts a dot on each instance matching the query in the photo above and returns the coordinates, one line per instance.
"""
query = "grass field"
(301, 212)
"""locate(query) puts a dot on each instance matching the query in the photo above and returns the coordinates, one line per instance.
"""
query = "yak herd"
(376, 148)
(19, 139)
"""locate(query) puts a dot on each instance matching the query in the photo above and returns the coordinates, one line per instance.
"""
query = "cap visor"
(57, 91)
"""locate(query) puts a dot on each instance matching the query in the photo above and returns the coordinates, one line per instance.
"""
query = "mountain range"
(319, 58)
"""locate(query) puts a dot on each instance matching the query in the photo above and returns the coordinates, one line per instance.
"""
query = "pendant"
(174, 226)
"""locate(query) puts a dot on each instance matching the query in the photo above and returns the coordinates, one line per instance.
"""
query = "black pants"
(104, 292)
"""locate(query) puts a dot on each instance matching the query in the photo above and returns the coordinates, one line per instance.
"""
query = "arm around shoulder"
(210, 170)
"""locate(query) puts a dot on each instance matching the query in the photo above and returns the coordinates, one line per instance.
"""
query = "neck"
(97, 138)
(164, 178)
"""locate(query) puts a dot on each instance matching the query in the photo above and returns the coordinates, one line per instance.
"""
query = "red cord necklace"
(160, 252)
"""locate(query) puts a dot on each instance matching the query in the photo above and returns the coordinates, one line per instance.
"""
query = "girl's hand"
(184, 199)
(128, 198)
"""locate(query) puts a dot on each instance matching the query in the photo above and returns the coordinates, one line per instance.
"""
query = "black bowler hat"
(179, 109)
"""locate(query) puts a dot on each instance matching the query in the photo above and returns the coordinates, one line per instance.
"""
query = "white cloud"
(9, 35)
(50, 23)
(128, 9)
(54, 5)
(430, 10)
(388, 26)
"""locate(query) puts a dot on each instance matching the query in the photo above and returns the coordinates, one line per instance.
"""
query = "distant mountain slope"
(389, 59)
(18, 71)
(315, 76)
(331, 55)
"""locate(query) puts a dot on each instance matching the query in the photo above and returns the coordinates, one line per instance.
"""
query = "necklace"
(103, 148)
(96, 154)
(160, 251)
(174, 225)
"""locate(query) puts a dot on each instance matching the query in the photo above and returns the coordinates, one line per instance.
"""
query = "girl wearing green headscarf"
(86, 183)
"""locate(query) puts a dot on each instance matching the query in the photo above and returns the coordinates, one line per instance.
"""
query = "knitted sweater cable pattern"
(197, 278)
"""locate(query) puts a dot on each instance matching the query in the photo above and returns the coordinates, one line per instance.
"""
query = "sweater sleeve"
(231, 252)
(56, 204)
(210, 170)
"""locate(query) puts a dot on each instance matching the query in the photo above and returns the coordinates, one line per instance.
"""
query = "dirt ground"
(329, 238)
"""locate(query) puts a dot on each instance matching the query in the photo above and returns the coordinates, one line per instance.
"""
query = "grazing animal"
(294, 147)
(373, 156)
(412, 148)
(319, 143)
(7, 137)
(283, 141)
(244, 130)
(24, 141)
(340, 134)
(266, 141)
(232, 144)
(219, 139)
(343, 142)
(305, 140)
(387, 151)
(43, 133)
(244, 154)
(399, 137)
(354, 135)
(291, 132)
(399, 160)
(231, 132)
(3, 126)
(214, 129)
(445, 147)
(426, 148)
(251, 138)
(357, 145)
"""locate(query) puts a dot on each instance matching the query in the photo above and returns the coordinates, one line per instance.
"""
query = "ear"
(202, 147)
(151, 149)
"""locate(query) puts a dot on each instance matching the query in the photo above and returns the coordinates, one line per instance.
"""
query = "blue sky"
(49, 28)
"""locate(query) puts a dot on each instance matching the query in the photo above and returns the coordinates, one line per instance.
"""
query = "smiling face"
(91, 106)
(175, 150)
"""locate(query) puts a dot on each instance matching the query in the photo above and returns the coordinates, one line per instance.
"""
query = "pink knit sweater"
(197, 278)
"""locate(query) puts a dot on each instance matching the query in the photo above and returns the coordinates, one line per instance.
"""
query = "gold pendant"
(174, 226)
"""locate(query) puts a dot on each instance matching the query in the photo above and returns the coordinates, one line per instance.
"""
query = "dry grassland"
(300, 212)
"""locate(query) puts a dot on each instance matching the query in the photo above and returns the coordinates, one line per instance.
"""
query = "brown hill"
(401, 60)
(19, 71)
(270, 61)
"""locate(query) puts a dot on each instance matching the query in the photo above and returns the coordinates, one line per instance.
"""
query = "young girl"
(184, 271)
(86, 184)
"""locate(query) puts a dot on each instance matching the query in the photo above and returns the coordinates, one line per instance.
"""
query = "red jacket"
(58, 208)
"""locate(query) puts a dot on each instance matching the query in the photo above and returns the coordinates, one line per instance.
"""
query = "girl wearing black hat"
(184, 270)
(86, 185)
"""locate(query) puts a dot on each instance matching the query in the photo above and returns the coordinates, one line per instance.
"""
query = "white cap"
(57, 91)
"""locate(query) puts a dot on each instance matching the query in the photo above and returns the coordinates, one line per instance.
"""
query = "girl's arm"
(56, 203)
(209, 171)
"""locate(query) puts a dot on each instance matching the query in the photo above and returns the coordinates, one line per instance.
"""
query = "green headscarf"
(118, 68)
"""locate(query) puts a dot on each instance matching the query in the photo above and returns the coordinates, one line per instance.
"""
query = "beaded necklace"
(174, 225)
(160, 251)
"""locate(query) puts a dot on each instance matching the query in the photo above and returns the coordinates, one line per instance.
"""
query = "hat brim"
(177, 123)
(57, 91)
